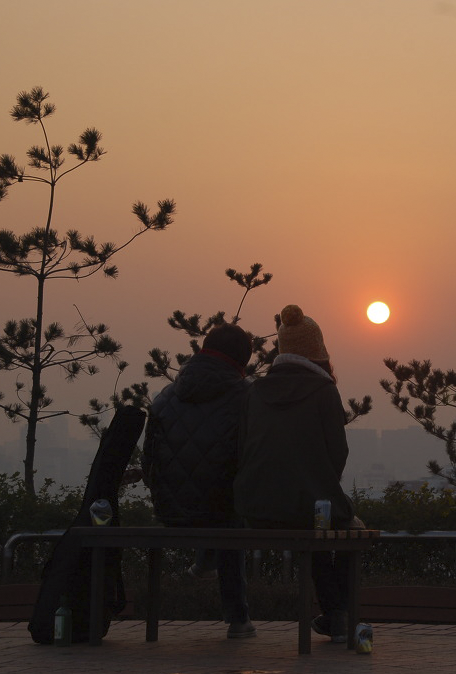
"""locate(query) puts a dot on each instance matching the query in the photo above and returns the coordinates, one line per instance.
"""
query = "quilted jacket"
(189, 454)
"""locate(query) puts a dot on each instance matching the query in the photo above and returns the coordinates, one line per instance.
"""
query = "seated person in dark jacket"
(189, 457)
(293, 450)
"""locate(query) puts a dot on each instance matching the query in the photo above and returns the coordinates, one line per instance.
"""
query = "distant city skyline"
(376, 457)
(379, 457)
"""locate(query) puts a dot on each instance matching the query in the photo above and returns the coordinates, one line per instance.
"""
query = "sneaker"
(241, 630)
(199, 574)
(339, 627)
(332, 625)
(322, 625)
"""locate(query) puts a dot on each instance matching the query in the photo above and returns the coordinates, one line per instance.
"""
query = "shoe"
(199, 574)
(339, 627)
(332, 625)
(241, 630)
(322, 625)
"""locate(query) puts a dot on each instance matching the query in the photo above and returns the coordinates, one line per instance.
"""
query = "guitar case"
(68, 570)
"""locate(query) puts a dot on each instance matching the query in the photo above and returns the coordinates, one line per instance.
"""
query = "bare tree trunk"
(36, 390)
(29, 463)
(29, 460)
(35, 395)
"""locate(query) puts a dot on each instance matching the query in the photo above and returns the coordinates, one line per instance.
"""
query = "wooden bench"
(155, 539)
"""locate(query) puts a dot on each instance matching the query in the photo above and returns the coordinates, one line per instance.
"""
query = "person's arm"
(334, 420)
(242, 430)
(148, 450)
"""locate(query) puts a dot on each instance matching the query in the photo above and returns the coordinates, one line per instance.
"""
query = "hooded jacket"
(293, 447)
(189, 457)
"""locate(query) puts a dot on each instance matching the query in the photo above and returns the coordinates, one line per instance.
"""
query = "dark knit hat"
(230, 340)
(300, 334)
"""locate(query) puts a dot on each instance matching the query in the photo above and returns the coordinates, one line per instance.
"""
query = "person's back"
(190, 444)
(293, 448)
(189, 457)
(292, 453)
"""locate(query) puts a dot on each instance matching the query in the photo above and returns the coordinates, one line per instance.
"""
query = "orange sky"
(317, 138)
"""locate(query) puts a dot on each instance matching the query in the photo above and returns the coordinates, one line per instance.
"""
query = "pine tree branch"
(15, 413)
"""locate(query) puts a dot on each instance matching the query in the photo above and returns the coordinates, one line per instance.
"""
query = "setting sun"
(378, 312)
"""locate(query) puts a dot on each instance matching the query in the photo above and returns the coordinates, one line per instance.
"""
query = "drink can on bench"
(101, 512)
(322, 515)
(364, 638)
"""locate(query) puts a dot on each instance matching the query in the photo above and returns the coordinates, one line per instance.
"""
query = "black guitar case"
(68, 570)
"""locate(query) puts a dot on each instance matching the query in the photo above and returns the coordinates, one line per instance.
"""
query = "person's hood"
(205, 377)
(288, 383)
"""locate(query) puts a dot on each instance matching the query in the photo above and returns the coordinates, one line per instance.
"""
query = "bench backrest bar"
(185, 537)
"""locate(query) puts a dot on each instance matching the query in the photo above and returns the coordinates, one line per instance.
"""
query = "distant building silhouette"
(432, 481)
(378, 458)
(65, 459)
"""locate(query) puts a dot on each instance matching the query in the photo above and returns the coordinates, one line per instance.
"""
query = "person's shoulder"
(329, 388)
(162, 397)
(240, 387)
(329, 393)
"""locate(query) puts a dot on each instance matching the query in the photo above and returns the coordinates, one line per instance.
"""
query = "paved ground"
(202, 648)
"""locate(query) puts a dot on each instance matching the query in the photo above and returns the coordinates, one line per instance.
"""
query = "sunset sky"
(317, 137)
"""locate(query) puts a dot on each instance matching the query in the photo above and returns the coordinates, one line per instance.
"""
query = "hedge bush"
(398, 562)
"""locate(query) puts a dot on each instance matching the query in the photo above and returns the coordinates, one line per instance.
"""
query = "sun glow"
(378, 312)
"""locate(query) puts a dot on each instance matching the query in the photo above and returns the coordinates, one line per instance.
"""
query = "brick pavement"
(202, 648)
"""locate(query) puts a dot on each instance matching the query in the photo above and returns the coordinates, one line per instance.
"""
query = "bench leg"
(153, 594)
(305, 601)
(96, 596)
(354, 595)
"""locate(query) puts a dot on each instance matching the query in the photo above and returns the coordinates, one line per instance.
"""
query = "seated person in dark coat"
(293, 450)
(189, 458)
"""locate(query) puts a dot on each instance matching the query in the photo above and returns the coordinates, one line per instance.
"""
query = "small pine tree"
(27, 344)
(435, 389)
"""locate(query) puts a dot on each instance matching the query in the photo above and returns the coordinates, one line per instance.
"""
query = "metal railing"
(8, 550)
